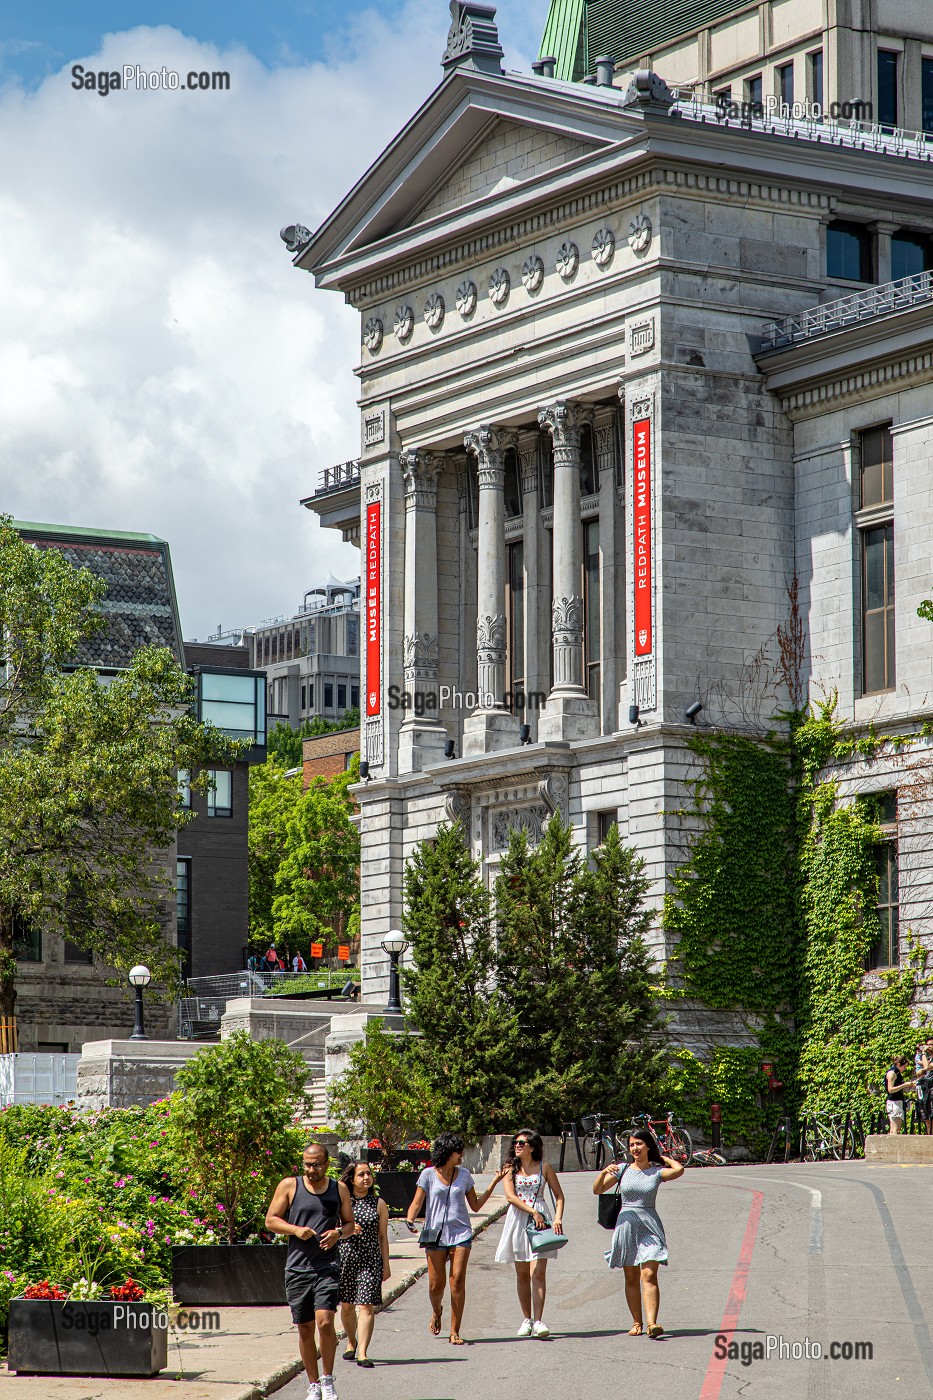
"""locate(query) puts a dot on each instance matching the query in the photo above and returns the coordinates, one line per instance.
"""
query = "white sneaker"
(540, 1329)
(314, 1390)
(525, 1329)
(328, 1389)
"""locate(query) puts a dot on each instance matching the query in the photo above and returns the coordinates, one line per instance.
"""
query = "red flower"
(45, 1290)
(129, 1292)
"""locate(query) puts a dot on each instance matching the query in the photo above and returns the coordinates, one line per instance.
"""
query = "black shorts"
(313, 1292)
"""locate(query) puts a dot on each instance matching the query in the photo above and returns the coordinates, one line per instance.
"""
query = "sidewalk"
(254, 1353)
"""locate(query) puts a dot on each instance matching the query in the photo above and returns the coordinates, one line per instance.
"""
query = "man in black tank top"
(314, 1212)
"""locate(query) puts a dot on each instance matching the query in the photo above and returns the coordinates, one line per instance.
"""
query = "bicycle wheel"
(681, 1146)
(621, 1148)
(591, 1147)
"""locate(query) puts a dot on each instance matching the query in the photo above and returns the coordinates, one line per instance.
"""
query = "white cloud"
(163, 367)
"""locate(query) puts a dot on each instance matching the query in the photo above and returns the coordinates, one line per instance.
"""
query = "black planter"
(397, 1189)
(92, 1338)
(229, 1275)
(414, 1156)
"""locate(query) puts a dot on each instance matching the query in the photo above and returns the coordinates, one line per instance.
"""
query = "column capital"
(489, 445)
(420, 470)
(563, 420)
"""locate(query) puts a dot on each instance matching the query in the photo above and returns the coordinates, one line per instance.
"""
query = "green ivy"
(773, 915)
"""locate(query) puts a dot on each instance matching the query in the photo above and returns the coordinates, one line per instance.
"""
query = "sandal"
(456, 1340)
(435, 1328)
(655, 1329)
(636, 1331)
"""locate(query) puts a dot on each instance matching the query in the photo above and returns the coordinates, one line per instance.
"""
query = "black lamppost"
(394, 944)
(139, 977)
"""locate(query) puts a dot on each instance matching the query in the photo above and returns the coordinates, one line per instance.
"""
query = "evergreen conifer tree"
(468, 1039)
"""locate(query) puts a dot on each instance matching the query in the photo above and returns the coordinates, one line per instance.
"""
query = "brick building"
(630, 363)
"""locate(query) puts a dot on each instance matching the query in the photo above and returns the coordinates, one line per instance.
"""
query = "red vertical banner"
(641, 518)
(374, 608)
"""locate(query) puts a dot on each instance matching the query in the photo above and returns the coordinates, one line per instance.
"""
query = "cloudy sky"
(163, 367)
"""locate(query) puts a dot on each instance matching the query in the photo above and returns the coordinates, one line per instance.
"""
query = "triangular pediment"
(475, 138)
(510, 153)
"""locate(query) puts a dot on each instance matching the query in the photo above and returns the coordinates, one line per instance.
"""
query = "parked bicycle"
(708, 1157)
(672, 1137)
(602, 1142)
(823, 1138)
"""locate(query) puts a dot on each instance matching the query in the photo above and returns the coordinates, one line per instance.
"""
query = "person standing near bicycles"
(895, 1084)
(528, 1178)
(639, 1245)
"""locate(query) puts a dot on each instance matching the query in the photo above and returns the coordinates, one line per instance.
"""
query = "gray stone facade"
(621, 283)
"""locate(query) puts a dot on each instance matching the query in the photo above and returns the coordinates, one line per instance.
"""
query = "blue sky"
(38, 39)
(163, 367)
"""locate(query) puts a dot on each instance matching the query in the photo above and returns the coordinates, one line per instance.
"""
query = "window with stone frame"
(875, 524)
(885, 948)
(27, 942)
(515, 621)
(592, 641)
(849, 251)
(605, 821)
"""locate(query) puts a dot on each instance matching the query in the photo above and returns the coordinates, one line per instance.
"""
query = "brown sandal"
(655, 1329)
(456, 1340)
(636, 1331)
(435, 1328)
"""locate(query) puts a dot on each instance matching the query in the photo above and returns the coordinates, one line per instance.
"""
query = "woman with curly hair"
(529, 1179)
(450, 1193)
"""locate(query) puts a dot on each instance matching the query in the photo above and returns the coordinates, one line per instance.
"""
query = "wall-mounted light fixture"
(450, 749)
(693, 710)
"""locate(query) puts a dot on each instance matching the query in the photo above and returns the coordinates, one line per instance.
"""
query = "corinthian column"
(490, 725)
(569, 714)
(421, 735)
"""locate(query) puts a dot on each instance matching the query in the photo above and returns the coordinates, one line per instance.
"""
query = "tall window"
(753, 89)
(220, 793)
(887, 88)
(785, 77)
(546, 458)
(184, 787)
(183, 907)
(910, 253)
(27, 942)
(885, 949)
(926, 93)
(815, 77)
(848, 251)
(513, 484)
(605, 821)
(876, 528)
(589, 482)
(342, 696)
(355, 696)
(515, 614)
(328, 695)
(591, 640)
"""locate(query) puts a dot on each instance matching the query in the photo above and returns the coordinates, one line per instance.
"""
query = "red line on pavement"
(712, 1383)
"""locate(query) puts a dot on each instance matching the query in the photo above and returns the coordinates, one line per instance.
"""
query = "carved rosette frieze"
(604, 245)
(568, 260)
(404, 323)
(500, 284)
(466, 298)
(372, 334)
(533, 273)
(434, 310)
(420, 471)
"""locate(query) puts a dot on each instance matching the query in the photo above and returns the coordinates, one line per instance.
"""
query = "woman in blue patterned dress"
(638, 1243)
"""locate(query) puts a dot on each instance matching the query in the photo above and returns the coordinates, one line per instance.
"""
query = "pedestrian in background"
(638, 1242)
(894, 1085)
(364, 1262)
(448, 1192)
(527, 1179)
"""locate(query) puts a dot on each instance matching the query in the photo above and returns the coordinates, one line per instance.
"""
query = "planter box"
(229, 1275)
(421, 1154)
(93, 1338)
(397, 1189)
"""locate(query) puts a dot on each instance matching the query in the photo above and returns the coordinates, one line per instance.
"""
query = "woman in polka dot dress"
(364, 1262)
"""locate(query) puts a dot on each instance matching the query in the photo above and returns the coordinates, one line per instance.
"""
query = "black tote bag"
(609, 1205)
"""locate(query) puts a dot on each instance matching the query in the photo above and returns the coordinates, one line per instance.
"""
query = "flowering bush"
(129, 1292)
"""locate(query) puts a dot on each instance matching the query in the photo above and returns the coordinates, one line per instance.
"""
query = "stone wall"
(130, 1073)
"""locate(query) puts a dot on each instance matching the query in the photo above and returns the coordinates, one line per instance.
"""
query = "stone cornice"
(872, 380)
(528, 227)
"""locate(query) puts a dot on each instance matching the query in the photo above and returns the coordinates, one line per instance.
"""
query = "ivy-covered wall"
(772, 914)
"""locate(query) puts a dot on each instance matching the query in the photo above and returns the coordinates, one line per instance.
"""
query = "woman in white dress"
(527, 1183)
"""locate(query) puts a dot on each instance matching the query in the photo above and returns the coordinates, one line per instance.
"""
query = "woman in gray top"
(449, 1192)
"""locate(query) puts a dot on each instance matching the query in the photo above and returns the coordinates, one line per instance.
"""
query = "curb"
(290, 1369)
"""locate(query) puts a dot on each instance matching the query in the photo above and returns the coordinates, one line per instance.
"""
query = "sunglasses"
(522, 1142)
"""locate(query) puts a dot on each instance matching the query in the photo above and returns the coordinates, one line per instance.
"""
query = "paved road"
(817, 1254)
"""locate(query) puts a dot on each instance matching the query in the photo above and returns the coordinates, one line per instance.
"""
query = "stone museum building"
(634, 361)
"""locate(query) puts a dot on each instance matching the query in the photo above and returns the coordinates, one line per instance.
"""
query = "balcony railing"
(866, 305)
(827, 131)
(338, 478)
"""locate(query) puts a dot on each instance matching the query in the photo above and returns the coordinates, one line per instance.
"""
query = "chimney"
(547, 66)
(538, 68)
(605, 67)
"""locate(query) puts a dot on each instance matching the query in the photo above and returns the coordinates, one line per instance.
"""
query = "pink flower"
(150, 1228)
(220, 1207)
(182, 1212)
(152, 1200)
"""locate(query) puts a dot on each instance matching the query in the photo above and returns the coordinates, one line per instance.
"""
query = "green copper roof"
(80, 532)
(577, 32)
(564, 39)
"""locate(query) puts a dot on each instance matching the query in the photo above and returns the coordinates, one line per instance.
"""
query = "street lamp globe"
(140, 976)
(394, 942)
